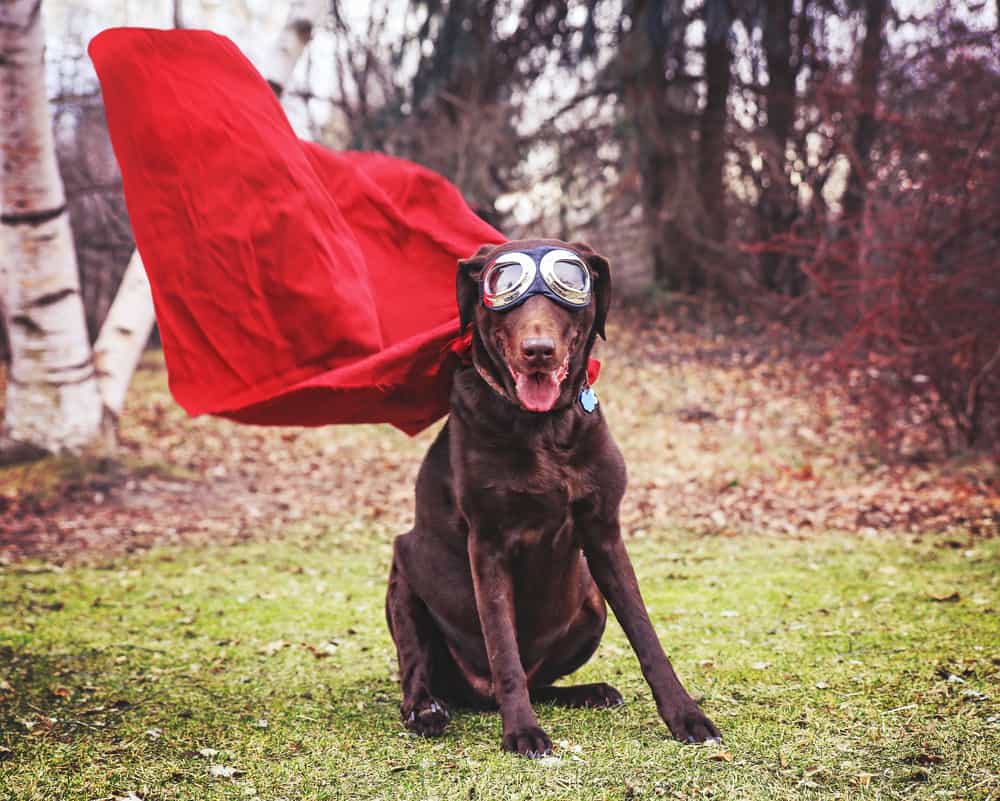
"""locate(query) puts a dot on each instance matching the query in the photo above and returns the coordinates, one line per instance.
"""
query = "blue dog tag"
(588, 399)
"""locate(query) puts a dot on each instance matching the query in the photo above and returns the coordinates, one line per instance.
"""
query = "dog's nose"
(538, 349)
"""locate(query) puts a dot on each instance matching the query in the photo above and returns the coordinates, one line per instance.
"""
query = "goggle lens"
(503, 278)
(571, 274)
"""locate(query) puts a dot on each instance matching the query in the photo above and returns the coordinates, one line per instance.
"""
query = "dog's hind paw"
(579, 695)
(426, 718)
(531, 742)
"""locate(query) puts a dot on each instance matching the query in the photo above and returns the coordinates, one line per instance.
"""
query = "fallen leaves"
(740, 438)
(924, 758)
(320, 651)
(271, 648)
(323, 650)
(224, 772)
(39, 725)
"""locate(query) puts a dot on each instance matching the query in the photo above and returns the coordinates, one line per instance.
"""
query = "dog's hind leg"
(571, 652)
(415, 635)
(579, 695)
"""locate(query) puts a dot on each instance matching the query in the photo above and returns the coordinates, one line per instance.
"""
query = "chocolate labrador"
(499, 589)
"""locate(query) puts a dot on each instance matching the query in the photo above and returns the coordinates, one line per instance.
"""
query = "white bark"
(280, 63)
(53, 403)
(124, 334)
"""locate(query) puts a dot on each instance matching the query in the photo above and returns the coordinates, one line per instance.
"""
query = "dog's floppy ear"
(467, 284)
(602, 283)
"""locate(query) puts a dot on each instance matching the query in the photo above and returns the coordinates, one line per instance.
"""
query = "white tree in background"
(124, 333)
(303, 15)
(53, 401)
(60, 394)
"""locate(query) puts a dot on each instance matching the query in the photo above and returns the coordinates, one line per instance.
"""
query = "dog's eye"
(503, 278)
(571, 274)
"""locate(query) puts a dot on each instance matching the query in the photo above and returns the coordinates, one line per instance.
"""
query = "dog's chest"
(535, 506)
(554, 473)
(526, 485)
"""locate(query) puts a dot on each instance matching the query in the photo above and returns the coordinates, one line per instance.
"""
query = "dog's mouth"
(538, 390)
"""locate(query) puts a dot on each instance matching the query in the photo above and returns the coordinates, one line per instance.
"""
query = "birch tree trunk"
(280, 64)
(124, 334)
(53, 403)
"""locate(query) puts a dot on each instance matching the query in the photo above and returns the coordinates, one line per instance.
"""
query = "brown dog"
(499, 589)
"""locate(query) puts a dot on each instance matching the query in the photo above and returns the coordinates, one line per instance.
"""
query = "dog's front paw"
(530, 741)
(426, 717)
(690, 725)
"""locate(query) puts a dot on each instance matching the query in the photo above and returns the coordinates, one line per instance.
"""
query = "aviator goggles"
(559, 274)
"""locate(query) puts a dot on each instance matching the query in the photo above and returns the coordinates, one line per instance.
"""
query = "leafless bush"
(908, 290)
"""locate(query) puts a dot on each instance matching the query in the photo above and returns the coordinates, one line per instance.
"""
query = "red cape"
(293, 285)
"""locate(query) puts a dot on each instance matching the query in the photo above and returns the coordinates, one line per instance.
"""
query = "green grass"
(830, 669)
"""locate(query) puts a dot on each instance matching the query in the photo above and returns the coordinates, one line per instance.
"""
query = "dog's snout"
(538, 349)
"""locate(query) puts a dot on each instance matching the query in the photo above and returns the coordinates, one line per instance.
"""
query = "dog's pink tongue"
(538, 392)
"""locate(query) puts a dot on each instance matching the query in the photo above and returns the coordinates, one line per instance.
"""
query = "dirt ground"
(722, 433)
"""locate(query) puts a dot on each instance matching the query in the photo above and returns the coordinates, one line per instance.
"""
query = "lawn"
(836, 666)
(202, 619)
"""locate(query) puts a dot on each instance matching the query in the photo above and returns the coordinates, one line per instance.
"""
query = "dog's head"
(537, 306)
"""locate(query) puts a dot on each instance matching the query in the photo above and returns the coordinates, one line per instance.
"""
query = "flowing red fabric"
(293, 285)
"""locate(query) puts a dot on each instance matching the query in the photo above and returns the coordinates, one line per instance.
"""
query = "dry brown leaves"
(721, 435)
(736, 434)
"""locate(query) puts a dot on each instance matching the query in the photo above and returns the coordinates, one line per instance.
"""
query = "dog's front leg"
(611, 568)
(494, 592)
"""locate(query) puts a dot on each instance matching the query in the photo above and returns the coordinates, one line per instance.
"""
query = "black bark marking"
(77, 366)
(32, 218)
(53, 383)
(27, 323)
(16, 452)
(91, 374)
(303, 29)
(50, 298)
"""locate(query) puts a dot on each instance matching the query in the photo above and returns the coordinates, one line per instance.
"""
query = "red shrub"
(910, 289)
